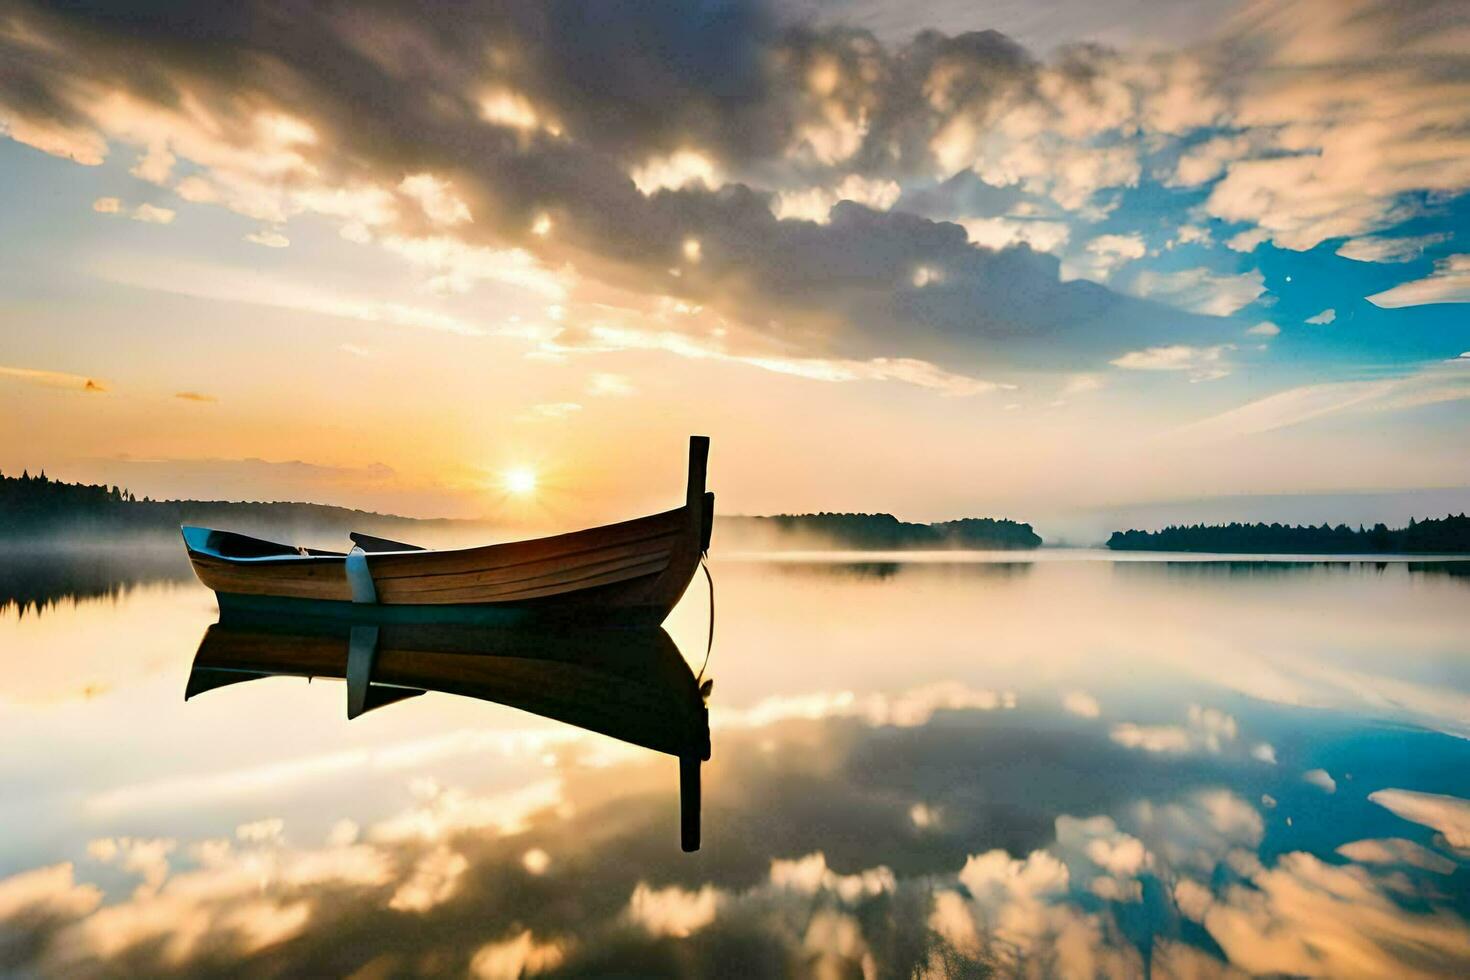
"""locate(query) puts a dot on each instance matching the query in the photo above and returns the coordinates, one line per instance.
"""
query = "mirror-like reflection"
(631, 685)
(33, 579)
(1075, 767)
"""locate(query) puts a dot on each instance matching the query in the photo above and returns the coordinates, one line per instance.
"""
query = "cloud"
(1389, 249)
(153, 215)
(1320, 779)
(1207, 160)
(1448, 283)
(1396, 850)
(434, 880)
(46, 892)
(1082, 704)
(1431, 384)
(195, 396)
(606, 385)
(448, 880)
(1341, 127)
(683, 168)
(1326, 316)
(1307, 917)
(222, 283)
(672, 911)
(1208, 730)
(149, 213)
(1152, 738)
(1201, 290)
(437, 199)
(511, 959)
(1264, 329)
(1202, 363)
(1104, 255)
(715, 125)
(1190, 235)
(1449, 815)
(54, 379)
(268, 238)
(816, 203)
(1003, 232)
(155, 165)
(908, 370)
(1246, 241)
(629, 148)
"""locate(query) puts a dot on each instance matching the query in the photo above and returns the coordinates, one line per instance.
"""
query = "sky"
(934, 258)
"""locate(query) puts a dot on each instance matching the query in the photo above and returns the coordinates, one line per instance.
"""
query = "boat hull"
(627, 574)
(584, 609)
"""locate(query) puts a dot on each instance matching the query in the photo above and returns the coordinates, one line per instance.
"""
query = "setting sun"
(520, 480)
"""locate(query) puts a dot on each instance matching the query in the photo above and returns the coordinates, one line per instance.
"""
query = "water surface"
(1004, 764)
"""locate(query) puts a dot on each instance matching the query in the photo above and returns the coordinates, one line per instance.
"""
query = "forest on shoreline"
(1446, 535)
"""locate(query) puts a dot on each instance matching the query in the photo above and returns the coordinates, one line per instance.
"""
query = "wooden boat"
(626, 574)
(631, 685)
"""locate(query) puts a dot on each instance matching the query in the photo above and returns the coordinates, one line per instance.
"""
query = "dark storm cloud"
(389, 92)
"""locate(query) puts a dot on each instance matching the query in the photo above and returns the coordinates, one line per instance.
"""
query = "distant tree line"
(42, 509)
(1446, 535)
(886, 532)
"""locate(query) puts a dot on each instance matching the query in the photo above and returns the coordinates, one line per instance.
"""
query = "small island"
(1446, 535)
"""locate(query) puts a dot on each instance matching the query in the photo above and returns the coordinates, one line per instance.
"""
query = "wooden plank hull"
(626, 574)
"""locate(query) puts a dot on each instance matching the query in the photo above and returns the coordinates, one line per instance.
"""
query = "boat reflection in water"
(631, 685)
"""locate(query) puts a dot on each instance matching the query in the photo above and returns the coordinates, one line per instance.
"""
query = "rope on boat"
(710, 643)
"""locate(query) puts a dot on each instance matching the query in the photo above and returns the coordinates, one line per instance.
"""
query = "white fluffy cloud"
(1388, 249)
(1200, 290)
(1449, 815)
(815, 203)
(437, 197)
(1345, 124)
(1104, 255)
(1082, 704)
(1448, 283)
(1202, 363)
(1207, 730)
(999, 232)
(268, 238)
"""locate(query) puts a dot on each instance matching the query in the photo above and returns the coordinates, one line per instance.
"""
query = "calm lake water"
(1065, 766)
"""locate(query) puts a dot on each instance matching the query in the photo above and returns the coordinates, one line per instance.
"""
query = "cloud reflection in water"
(982, 815)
